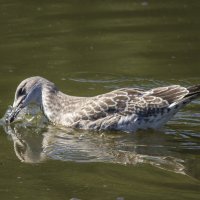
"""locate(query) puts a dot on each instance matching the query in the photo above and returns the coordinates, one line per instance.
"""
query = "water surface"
(88, 48)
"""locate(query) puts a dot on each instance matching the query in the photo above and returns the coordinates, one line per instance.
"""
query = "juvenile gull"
(125, 109)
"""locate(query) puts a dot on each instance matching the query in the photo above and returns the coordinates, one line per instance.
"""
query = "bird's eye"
(21, 92)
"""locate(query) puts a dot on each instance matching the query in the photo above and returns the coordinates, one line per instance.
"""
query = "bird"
(124, 109)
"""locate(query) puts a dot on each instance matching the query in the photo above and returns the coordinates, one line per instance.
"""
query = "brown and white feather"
(125, 109)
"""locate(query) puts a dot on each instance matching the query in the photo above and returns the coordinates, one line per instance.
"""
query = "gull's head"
(28, 92)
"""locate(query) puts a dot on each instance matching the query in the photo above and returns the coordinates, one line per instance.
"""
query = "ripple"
(89, 77)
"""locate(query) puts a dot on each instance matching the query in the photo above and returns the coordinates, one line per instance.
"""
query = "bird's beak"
(17, 107)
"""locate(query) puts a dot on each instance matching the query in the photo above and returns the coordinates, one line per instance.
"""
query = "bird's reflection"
(34, 145)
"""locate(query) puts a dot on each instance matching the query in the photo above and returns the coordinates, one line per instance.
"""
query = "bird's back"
(130, 109)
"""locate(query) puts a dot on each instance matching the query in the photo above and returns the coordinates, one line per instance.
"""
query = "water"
(88, 48)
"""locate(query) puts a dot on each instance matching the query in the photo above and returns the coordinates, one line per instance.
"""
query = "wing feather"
(171, 94)
(122, 102)
(126, 105)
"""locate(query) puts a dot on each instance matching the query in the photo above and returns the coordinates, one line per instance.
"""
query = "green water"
(87, 48)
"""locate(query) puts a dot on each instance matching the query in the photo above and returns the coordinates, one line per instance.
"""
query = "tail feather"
(194, 91)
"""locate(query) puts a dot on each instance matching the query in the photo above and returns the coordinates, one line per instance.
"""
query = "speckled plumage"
(125, 109)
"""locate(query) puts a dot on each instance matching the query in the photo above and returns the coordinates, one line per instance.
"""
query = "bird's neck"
(57, 105)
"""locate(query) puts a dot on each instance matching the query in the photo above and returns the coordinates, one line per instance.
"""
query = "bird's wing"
(171, 94)
(122, 102)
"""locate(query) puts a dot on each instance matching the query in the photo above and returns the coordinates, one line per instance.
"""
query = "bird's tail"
(194, 92)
